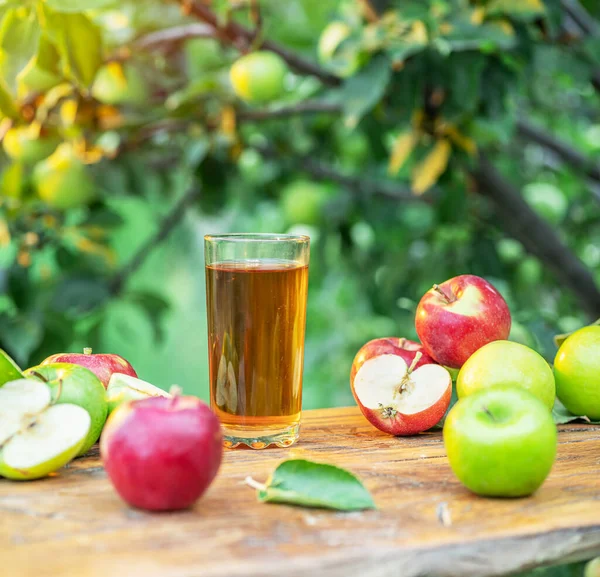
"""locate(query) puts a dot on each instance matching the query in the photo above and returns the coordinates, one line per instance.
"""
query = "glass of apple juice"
(256, 289)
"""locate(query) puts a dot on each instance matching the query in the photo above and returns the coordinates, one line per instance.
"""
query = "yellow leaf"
(88, 246)
(418, 33)
(461, 140)
(4, 233)
(427, 173)
(403, 146)
(68, 112)
(478, 15)
(228, 121)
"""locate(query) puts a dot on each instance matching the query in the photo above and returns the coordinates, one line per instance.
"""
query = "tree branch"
(537, 236)
(174, 35)
(242, 37)
(307, 107)
(580, 16)
(166, 227)
(563, 150)
(321, 171)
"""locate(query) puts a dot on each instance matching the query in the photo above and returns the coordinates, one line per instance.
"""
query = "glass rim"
(256, 237)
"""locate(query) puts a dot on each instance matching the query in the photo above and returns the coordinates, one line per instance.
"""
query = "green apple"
(501, 441)
(62, 180)
(123, 388)
(79, 386)
(116, 83)
(592, 568)
(258, 76)
(25, 144)
(507, 363)
(547, 200)
(9, 371)
(303, 201)
(577, 372)
(37, 437)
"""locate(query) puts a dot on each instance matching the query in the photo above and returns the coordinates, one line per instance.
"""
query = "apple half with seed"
(400, 399)
(123, 388)
(36, 436)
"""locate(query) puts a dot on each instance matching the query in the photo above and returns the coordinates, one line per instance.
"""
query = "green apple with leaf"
(37, 435)
(501, 441)
(577, 372)
(507, 363)
(76, 385)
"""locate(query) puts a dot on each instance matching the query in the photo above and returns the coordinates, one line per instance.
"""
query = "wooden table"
(74, 524)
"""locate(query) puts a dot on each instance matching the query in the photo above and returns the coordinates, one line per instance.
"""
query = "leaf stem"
(255, 484)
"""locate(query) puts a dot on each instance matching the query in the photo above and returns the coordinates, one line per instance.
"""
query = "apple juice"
(256, 324)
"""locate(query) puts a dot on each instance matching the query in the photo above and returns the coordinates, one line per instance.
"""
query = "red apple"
(400, 399)
(103, 366)
(390, 346)
(161, 454)
(459, 316)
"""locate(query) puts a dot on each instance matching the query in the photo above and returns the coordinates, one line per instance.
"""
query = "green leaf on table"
(78, 5)
(363, 91)
(79, 43)
(561, 415)
(310, 484)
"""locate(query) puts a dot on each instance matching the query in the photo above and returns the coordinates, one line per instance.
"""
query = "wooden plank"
(74, 525)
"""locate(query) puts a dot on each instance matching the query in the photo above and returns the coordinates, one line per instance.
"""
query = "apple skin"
(507, 363)
(102, 365)
(577, 372)
(501, 442)
(390, 346)
(162, 454)
(453, 327)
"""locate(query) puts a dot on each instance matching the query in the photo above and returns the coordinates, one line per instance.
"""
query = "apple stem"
(255, 484)
(87, 351)
(489, 413)
(39, 376)
(448, 297)
(415, 362)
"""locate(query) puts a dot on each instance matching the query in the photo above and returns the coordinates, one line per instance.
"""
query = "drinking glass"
(256, 290)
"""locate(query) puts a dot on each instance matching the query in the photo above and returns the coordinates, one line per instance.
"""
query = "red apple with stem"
(400, 399)
(459, 316)
(161, 454)
(400, 346)
(103, 365)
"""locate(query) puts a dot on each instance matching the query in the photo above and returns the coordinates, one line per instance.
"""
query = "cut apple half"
(122, 388)
(399, 399)
(20, 402)
(49, 442)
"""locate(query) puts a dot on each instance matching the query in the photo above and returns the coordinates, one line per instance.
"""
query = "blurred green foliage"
(375, 166)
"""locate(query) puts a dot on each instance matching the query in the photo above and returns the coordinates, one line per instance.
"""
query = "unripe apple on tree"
(258, 76)
(458, 317)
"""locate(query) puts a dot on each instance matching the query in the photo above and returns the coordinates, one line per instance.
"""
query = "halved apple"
(402, 400)
(122, 388)
(37, 438)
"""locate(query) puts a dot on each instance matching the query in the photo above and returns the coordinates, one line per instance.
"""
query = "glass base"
(254, 438)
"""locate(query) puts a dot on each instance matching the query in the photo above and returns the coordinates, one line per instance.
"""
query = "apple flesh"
(500, 441)
(400, 399)
(102, 365)
(390, 346)
(162, 454)
(76, 385)
(36, 437)
(458, 317)
(123, 388)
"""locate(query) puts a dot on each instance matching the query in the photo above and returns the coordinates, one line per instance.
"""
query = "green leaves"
(363, 91)
(517, 9)
(78, 42)
(309, 484)
(561, 415)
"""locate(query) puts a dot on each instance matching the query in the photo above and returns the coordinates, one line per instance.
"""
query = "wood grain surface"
(74, 524)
